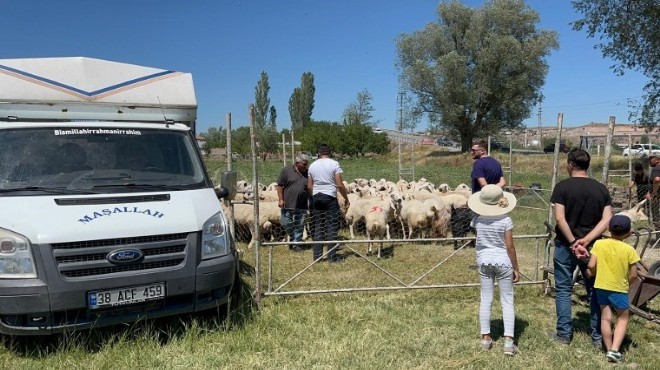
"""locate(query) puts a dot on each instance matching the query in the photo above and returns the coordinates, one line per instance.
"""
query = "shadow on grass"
(442, 153)
(497, 328)
(234, 316)
(582, 323)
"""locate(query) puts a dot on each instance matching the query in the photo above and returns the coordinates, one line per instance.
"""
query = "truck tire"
(654, 270)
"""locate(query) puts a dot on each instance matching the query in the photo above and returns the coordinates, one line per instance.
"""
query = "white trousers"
(504, 276)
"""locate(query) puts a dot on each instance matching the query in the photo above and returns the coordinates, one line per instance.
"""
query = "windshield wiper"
(47, 190)
(143, 186)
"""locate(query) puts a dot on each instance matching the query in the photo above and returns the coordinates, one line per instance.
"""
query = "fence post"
(511, 160)
(284, 150)
(293, 148)
(630, 170)
(255, 189)
(608, 150)
(555, 167)
(229, 159)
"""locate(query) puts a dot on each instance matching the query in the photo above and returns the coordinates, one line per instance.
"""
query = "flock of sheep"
(379, 207)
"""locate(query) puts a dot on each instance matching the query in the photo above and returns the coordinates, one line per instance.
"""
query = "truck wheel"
(655, 269)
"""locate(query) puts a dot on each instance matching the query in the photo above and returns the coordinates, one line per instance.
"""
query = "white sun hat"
(492, 201)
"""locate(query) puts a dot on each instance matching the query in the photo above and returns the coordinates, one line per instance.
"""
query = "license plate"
(125, 296)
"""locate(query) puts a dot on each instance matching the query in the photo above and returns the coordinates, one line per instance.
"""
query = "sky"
(348, 45)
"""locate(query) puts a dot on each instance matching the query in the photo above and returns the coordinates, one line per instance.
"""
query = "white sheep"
(443, 188)
(439, 215)
(455, 198)
(377, 213)
(269, 215)
(463, 187)
(413, 215)
(271, 187)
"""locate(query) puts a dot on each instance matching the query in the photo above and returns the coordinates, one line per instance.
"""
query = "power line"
(588, 104)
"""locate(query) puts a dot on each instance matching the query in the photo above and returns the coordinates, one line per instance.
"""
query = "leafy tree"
(240, 141)
(355, 140)
(273, 116)
(378, 143)
(301, 102)
(358, 125)
(262, 101)
(320, 132)
(477, 71)
(361, 110)
(295, 109)
(266, 131)
(628, 33)
(214, 138)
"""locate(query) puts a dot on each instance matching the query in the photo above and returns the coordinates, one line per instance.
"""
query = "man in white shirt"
(323, 181)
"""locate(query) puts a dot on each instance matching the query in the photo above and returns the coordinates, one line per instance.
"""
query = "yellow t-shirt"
(613, 260)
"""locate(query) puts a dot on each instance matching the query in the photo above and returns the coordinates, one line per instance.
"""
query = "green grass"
(412, 330)
(417, 329)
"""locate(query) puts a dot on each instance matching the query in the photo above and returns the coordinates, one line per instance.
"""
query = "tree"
(214, 138)
(320, 132)
(361, 110)
(301, 102)
(266, 131)
(477, 70)
(240, 141)
(628, 33)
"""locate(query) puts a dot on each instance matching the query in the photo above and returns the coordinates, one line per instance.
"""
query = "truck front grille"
(87, 258)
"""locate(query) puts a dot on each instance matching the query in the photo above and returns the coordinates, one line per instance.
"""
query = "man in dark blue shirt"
(486, 169)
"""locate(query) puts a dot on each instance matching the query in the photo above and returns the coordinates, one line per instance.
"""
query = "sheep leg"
(368, 243)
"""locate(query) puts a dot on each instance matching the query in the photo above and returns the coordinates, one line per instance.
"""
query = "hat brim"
(480, 208)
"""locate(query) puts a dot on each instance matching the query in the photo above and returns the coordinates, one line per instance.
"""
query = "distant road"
(406, 136)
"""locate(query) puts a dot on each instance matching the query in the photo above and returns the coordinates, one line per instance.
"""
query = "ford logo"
(125, 256)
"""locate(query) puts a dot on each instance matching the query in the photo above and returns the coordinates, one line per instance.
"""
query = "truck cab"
(109, 215)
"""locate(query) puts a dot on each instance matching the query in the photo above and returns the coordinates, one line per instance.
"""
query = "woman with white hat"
(496, 259)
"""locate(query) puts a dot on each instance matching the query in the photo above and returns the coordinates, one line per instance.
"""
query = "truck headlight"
(215, 239)
(16, 261)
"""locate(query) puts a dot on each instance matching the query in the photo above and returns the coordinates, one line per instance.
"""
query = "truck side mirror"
(221, 192)
(227, 188)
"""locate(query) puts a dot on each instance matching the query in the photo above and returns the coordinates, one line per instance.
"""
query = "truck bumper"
(28, 307)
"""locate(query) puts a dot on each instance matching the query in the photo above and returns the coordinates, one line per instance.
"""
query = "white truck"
(107, 213)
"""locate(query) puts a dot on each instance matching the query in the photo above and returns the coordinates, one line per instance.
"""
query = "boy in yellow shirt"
(614, 264)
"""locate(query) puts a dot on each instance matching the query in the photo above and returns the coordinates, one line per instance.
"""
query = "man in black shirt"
(293, 199)
(654, 190)
(583, 208)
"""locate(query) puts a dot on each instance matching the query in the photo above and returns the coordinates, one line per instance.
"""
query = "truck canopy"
(72, 89)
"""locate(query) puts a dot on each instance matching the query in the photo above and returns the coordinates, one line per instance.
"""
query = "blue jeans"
(564, 265)
(293, 221)
(326, 219)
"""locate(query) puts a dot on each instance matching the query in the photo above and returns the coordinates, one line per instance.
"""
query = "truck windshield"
(74, 160)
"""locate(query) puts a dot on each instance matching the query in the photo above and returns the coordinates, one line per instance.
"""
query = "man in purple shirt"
(486, 169)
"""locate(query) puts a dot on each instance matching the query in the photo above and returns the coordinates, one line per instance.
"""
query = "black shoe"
(295, 248)
(560, 339)
(336, 259)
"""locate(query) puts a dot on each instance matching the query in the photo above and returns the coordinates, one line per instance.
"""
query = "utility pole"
(539, 117)
(399, 128)
(402, 169)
